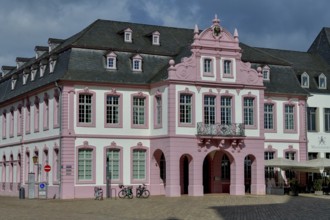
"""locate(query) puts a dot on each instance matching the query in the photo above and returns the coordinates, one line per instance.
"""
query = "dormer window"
(52, 63)
(156, 38)
(137, 63)
(322, 81)
(266, 73)
(305, 80)
(13, 81)
(25, 78)
(128, 35)
(111, 61)
(42, 70)
(33, 73)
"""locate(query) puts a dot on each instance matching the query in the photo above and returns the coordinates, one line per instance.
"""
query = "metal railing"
(221, 130)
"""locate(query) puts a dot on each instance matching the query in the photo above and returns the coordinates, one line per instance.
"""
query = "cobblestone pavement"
(219, 206)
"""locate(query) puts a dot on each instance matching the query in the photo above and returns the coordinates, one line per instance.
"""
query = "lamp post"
(36, 162)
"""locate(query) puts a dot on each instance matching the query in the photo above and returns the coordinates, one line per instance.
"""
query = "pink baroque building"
(182, 110)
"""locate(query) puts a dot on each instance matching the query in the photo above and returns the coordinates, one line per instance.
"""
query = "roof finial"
(216, 20)
(196, 31)
(236, 34)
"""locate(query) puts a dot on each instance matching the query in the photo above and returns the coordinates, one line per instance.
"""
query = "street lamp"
(36, 162)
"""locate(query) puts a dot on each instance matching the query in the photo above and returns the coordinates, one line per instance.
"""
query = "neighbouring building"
(184, 111)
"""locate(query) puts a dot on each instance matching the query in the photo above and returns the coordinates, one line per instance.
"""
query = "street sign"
(47, 168)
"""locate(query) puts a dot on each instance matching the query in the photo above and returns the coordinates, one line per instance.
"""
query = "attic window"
(305, 80)
(128, 35)
(322, 81)
(25, 77)
(13, 82)
(155, 38)
(137, 63)
(111, 61)
(33, 73)
(266, 73)
(52, 64)
(42, 70)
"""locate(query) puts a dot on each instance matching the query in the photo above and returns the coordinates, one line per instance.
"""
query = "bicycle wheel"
(145, 193)
(138, 193)
(122, 194)
(130, 196)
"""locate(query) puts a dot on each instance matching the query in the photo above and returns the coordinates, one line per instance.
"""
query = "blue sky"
(280, 24)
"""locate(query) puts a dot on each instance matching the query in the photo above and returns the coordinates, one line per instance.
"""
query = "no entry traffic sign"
(47, 168)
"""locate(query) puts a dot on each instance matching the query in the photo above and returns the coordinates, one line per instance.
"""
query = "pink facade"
(199, 130)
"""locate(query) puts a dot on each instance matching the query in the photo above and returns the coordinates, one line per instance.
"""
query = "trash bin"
(22, 193)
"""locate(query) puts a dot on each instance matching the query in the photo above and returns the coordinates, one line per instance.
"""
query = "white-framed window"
(128, 35)
(85, 108)
(112, 109)
(227, 67)
(305, 80)
(156, 38)
(290, 155)
(111, 61)
(113, 160)
(311, 118)
(209, 109)
(322, 81)
(85, 164)
(266, 73)
(269, 116)
(139, 110)
(139, 164)
(207, 65)
(248, 111)
(226, 110)
(137, 63)
(185, 108)
(289, 117)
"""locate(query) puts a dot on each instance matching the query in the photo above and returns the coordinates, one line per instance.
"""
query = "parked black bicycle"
(142, 192)
(125, 192)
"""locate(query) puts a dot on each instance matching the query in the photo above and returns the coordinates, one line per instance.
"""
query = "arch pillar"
(237, 186)
(173, 188)
(196, 187)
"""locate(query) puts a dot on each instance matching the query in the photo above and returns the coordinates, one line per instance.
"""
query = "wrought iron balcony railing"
(221, 130)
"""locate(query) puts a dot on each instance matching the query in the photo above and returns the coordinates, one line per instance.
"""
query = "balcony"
(221, 135)
(220, 130)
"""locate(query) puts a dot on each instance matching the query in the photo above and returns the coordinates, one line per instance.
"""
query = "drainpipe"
(59, 165)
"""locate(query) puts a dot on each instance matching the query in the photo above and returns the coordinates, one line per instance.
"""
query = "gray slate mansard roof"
(82, 58)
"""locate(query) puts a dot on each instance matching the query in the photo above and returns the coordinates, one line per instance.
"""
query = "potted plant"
(294, 187)
(318, 186)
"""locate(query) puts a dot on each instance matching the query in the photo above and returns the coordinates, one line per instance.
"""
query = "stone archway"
(158, 173)
(217, 167)
(185, 162)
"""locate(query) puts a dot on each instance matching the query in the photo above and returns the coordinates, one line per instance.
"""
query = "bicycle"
(142, 192)
(125, 192)
(98, 193)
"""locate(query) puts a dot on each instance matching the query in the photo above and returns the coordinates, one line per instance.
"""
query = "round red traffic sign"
(47, 168)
